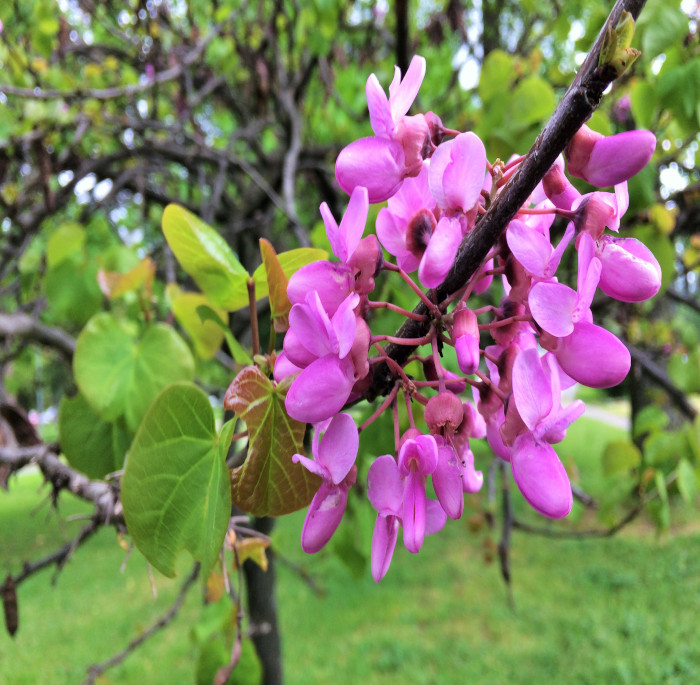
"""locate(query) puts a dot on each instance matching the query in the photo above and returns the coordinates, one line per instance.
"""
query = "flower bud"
(465, 334)
(444, 413)
(630, 272)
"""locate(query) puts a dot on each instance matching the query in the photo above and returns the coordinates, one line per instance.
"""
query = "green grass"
(620, 610)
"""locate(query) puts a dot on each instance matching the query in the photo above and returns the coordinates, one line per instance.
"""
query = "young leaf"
(238, 352)
(290, 261)
(115, 284)
(175, 490)
(277, 285)
(268, 483)
(620, 455)
(205, 256)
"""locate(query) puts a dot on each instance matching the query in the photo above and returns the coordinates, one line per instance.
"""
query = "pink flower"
(344, 239)
(465, 334)
(334, 461)
(608, 160)
(630, 272)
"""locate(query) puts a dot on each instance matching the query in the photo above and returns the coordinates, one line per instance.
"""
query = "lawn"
(620, 610)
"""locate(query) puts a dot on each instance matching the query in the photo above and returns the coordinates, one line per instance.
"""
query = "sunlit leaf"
(687, 481)
(620, 455)
(206, 335)
(205, 256)
(114, 284)
(175, 490)
(268, 483)
(238, 352)
(290, 261)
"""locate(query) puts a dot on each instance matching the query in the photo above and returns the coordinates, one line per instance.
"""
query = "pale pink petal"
(296, 353)
(553, 429)
(333, 282)
(323, 517)
(378, 105)
(616, 158)
(630, 272)
(447, 482)
(333, 234)
(552, 306)
(413, 519)
(541, 478)
(529, 247)
(352, 225)
(378, 164)
(391, 231)
(435, 517)
(312, 465)
(419, 454)
(464, 176)
(384, 486)
(344, 324)
(472, 480)
(440, 253)
(284, 367)
(386, 532)
(531, 389)
(593, 356)
(338, 448)
(320, 390)
(312, 326)
(403, 93)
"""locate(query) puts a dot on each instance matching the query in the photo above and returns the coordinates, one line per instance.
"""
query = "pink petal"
(378, 164)
(447, 482)
(344, 324)
(320, 390)
(472, 480)
(295, 352)
(616, 158)
(352, 225)
(435, 517)
(379, 111)
(414, 505)
(384, 486)
(541, 478)
(338, 447)
(312, 327)
(529, 247)
(464, 177)
(332, 233)
(418, 454)
(311, 465)
(386, 532)
(552, 306)
(323, 517)
(284, 367)
(403, 93)
(531, 388)
(630, 272)
(593, 356)
(333, 282)
(440, 253)
(391, 231)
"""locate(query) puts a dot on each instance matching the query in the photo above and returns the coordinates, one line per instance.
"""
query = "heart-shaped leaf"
(92, 445)
(268, 483)
(120, 375)
(175, 491)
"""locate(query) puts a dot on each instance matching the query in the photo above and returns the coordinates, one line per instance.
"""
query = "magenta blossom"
(334, 461)
(344, 239)
(630, 272)
(608, 160)
(385, 490)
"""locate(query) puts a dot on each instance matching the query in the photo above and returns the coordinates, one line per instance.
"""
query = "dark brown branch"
(19, 325)
(574, 109)
(659, 376)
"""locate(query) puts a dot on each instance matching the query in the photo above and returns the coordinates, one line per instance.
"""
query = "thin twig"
(98, 669)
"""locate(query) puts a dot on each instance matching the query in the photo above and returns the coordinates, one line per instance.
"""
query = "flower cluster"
(515, 358)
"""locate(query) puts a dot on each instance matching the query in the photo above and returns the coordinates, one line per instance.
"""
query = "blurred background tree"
(236, 110)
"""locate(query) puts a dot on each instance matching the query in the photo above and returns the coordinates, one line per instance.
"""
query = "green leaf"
(687, 481)
(533, 101)
(290, 261)
(120, 375)
(72, 292)
(205, 256)
(268, 483)
(206, 335)
(497, 75)
(175, 490)
(620, 455)
(649, 420)
(684, 370)
(66, 240)
(237, 350)
(643, 103)
(663, 24)
(92, 445)
(666, 447)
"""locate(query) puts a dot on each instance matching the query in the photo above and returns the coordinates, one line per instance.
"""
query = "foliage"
(151, 156)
